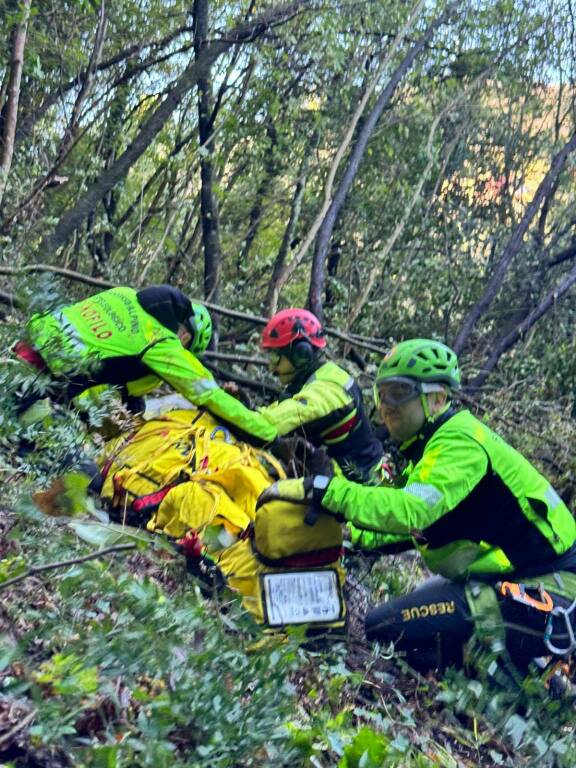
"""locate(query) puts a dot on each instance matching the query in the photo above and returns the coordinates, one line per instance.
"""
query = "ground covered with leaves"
(119, 660)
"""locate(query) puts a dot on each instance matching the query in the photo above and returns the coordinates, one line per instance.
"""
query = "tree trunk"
(208, 204)
(13, 95)
(334, 257)
(271, 169)
(317, 277)
(513, 245)
(288, 237)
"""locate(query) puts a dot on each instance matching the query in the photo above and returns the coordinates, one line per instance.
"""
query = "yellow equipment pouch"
(282, 538)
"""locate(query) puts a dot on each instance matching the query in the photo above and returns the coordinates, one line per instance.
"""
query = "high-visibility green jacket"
(328, 410)
(109, 338)
(472, 504)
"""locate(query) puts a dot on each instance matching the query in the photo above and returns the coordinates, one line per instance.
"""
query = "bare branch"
(35, 570)
(513, 245)
(7, 298)
(24, 723)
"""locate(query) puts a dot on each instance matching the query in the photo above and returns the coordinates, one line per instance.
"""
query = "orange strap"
(518, 592)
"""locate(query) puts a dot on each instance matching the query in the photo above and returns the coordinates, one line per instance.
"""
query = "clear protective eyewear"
(396, 391)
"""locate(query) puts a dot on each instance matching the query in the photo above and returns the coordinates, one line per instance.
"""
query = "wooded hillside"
(401, 169)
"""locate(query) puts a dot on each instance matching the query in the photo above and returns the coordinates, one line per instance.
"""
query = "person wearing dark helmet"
(499, 538)
(321, 402)
(134, 340)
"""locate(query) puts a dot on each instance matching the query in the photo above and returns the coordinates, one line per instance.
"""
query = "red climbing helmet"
(292, 324)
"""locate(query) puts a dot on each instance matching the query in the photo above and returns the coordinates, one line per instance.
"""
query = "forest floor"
(346, 698)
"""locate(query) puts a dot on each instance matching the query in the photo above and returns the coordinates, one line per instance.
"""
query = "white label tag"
(301, 597)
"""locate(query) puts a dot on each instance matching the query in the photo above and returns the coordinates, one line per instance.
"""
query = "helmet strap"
(425, 406)
(302, 376)
(413, 448)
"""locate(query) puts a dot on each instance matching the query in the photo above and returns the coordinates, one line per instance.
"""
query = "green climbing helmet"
(424, 360)
(200, 326)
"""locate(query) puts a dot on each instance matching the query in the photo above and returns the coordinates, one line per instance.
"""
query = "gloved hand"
(318, 462)
(293, 452)
(301, 490)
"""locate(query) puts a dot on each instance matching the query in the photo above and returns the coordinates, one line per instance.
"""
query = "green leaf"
(367, 750)
(107, 535)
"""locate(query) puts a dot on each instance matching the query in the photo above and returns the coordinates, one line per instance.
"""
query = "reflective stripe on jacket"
(472, 504)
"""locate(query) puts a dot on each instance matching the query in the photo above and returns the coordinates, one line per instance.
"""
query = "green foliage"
(125, 672)
(118, 669)
(538, 728)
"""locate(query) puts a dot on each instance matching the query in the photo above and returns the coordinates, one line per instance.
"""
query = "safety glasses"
(396, 391)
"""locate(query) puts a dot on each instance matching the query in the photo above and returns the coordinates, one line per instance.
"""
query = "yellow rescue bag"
(278, 596)
(187, 476)
(159, 453)
(185, 471)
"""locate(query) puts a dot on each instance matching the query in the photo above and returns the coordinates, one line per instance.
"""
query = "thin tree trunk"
(520, 331)
(325, 232)
(271, 168)
(513, 245)
(208, 204)
(334, 256)
(13, 97)
(295, 209)
(186, 245)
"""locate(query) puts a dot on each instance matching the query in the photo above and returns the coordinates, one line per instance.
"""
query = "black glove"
(293, 452)
(318, 462)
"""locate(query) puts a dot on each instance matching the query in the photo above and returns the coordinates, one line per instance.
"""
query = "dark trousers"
(431, 625)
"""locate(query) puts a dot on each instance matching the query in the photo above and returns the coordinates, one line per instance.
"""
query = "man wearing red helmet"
(322, 401)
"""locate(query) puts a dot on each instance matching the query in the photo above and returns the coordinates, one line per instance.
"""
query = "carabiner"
(564, 614)
(224, 430)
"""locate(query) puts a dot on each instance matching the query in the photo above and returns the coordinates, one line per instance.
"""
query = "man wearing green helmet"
(134, 340)
(493, 529)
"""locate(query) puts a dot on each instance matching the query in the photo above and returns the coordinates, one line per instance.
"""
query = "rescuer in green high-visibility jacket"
(321, 401)
(137, 339)
(471, 504)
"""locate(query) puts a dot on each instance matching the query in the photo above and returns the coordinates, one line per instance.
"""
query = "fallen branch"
(18, 727)
(258, 386)
(35, 570)
(10, 299)
(232, 358)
